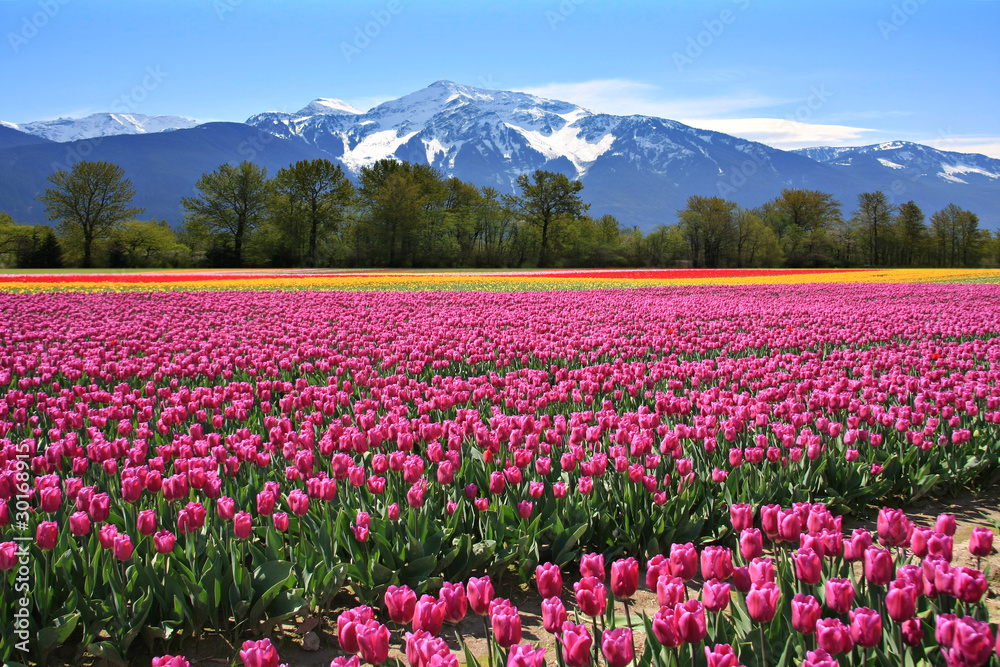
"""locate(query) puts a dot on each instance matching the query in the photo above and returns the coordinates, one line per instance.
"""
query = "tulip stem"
(763, 647)
(489, 642)
(597, 642)
(628, 621)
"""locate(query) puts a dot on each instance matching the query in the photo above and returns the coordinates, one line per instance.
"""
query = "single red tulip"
(808, 566)
(741, 516)
(79, 523)
(683, 561)
(981, 542)
(721, 655)
(592, 565)
(879, 566)
(819, 658)
(242, 525)
(164, 541)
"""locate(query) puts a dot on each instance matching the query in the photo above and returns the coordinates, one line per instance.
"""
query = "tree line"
(398, 214)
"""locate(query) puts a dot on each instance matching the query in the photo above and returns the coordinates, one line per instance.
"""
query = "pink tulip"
(893, 527)
(819, 658)
(591, 596)
(455, 603)
(164, 541)
(751, 544)
(401, 603)
(716, 563)
(79, 523)
(553, 614)
(866, 627)
(525, 655)
(428, 614)
(981, 542)
(670, 591)
(46, 535)
(901, 601)
(715, 595)
(879, 566)
(721, 655)
(805, 613)
(762, 601)
(259, 654)
(8, 555)
(592, 565)
(373, 642)
(683, 561)
(624, 578)
(657, 565)
(808, 566)
(617, 647)
(548, 579)
(170, 661)
(479, 592)
(741, 516)
(576, 641)
(506, 624)
(839, 595)
(833, 636)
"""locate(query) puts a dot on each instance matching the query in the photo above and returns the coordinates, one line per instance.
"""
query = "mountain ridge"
(639, 168)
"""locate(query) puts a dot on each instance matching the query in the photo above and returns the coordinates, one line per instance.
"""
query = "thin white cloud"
(786, 134)
(626, 97)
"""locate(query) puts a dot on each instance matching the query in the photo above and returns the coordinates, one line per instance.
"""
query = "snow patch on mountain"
(373, 148)
(12, 126)
(890, 164)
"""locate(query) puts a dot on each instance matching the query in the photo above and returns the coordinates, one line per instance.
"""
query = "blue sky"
(789, 73)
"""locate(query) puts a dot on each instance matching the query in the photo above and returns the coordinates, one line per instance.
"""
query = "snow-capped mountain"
(449, 126)
(912, 160)
(639, 168)
(102, 125)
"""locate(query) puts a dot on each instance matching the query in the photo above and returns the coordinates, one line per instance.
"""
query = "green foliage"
(233, 202)
(91, 200)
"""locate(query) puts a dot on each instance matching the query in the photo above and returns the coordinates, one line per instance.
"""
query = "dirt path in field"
(970, 511)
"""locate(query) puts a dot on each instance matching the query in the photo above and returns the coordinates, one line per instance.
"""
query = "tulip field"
(386, 457)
